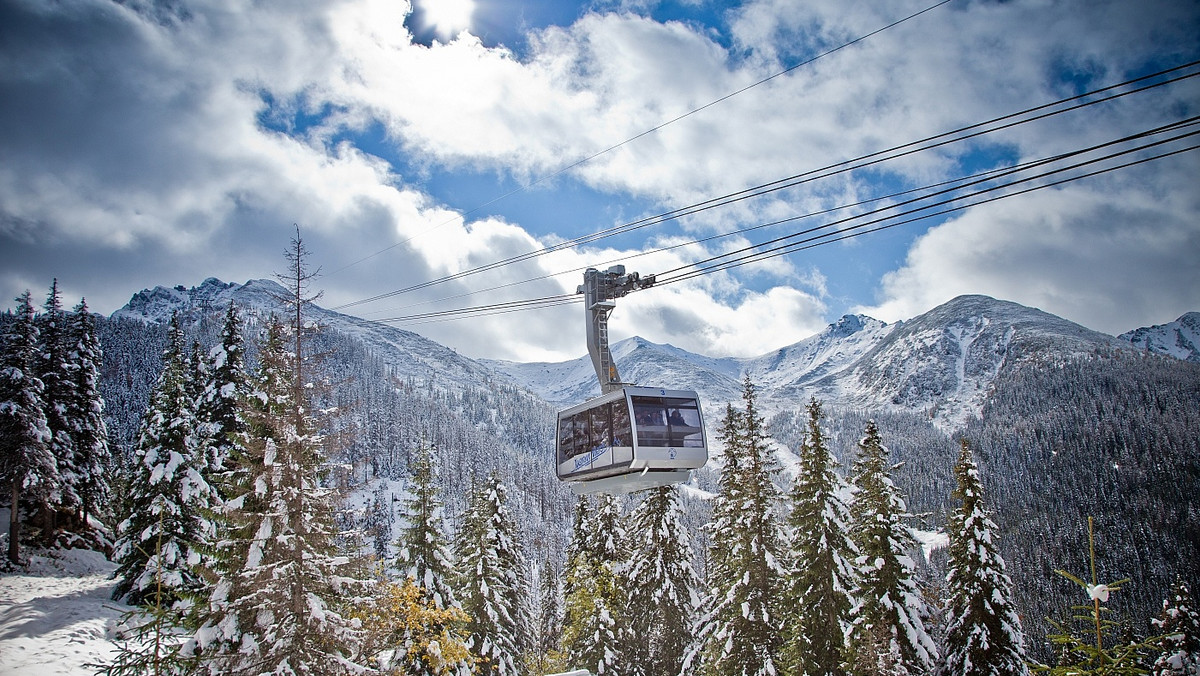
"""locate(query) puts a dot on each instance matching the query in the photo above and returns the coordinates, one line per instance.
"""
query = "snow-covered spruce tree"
(722, 569)
(423, 550)
(1179, 626)
(86, 413)
(983, 636)
(662, 599)
(280, 583)
(26, 464)
(546, 652)
(56, 371)
(590, 637)
(159, 541)
(887, 623)
(820, 569)
(225, 389)
(596, 632)
(742, 627)
(491, 585)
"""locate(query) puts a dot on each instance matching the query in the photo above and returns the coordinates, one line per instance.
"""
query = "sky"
(162, 142)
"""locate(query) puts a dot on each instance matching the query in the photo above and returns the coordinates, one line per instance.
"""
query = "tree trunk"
(14, 523)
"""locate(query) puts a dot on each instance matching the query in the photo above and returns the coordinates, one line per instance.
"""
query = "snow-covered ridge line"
(940, 364)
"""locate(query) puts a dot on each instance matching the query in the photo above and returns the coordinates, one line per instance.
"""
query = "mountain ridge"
(940, 364)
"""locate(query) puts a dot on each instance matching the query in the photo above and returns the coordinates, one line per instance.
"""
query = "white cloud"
(134, 140)
(1097, 253)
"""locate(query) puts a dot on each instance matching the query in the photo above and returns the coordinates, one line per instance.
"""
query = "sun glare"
(448, 17)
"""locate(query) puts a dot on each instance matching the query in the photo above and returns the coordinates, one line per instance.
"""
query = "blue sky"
(159, 143)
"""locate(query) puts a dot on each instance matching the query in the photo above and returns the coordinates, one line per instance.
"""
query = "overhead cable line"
(959, 182)
(755, 254)
(652, 130)
(931, 142)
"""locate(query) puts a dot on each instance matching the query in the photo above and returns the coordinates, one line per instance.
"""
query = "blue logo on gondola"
(584, 460)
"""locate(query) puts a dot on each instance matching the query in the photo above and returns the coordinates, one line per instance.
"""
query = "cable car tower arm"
(600, 291)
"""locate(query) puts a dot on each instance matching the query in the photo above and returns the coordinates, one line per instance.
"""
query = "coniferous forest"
(279, 499)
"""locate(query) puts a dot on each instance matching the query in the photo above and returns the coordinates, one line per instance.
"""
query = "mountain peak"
(1179, 339)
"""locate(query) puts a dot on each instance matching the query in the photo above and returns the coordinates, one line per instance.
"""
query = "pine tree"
(86, 412)
(281, 584)
(149, 638)
(225, 387)
(662, 593)
(820, 574)
(26, 463)
(1086, 645)
(887, 625)
(1179, 626)
(984, 635)
(490, 582)
(741, 628)
(55, 370)
(405, 632)
(279, 581)
(595, 633)
(424, 554)
(160, 540)
(590, 638)
(547, 656)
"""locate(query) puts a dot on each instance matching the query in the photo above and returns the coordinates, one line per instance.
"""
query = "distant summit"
(1179, 339)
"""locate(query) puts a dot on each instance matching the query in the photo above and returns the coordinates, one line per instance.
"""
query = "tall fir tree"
(160, 539)
(821, 575)
(662, 598)
(887, 624)
(546, 650)
(983, 635)
(86, 413)
(56, 371)
(596, 633)
(26, 463)
(423, 554)
(741, 627)
(226, 387)
(1179, 626)
(491, 584)
(282, 587)
(590, 637)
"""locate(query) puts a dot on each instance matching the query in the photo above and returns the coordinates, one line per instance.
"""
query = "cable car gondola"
(629, 438)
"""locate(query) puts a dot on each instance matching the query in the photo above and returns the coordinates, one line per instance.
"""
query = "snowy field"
(54, 614)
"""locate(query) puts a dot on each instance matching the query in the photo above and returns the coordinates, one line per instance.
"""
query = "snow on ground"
(54, 613)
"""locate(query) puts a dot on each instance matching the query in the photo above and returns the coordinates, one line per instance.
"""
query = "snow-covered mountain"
(940, 364)
(410, 355)
(943, 363)
(1179, 339)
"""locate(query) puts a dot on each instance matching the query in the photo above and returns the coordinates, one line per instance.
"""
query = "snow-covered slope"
(640, 362)
(1179, 339)
(943, 363)
(409, 354)
(787, 372)
(54, 615)
(940, 364)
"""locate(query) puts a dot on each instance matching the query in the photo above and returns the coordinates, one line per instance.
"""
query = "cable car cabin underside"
(631, 439)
